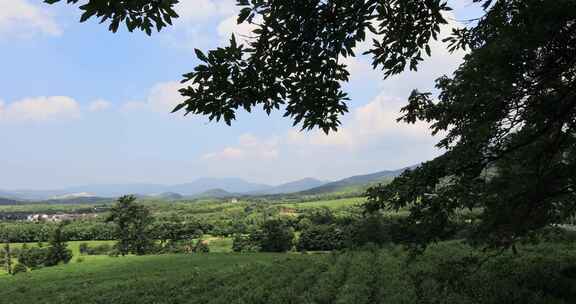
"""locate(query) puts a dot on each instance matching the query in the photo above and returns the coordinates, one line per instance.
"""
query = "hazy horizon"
(64, 187)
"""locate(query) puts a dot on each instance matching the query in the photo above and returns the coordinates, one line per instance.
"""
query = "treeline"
(86, 230)
(321, 230)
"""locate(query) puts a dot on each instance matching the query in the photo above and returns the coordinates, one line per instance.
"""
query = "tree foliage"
(6, 257)
(144, 15)
(509, 117)
(292, 59)
(133, 223)
(507, 113)
(57, 250)
(276, 236)
(321, 237)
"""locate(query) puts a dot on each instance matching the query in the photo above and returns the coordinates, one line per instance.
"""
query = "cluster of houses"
(58, 217)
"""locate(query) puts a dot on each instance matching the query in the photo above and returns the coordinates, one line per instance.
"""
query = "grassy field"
(216, 244)
(73, 245)
(540, 274)
(196, 207)
(332, 204)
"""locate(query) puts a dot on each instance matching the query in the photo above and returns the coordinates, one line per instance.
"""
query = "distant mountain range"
(200, 188)
(356, 181)
(8, 201)
(291, 187)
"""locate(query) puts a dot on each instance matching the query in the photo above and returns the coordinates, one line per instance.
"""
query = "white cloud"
(370, 123)
(22, 19)
(249, 147)
(441, 62)
(229, 26)
(99, 105)
(195, 28)
(162, 98)
(40, 109)
(200, 10)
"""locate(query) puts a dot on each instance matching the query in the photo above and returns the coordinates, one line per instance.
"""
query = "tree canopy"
(133, 223)
(509, 114)
(508, 111)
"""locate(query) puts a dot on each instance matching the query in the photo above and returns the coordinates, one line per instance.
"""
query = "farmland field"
(449, 272)
(541, 274)
(217, 245)
(330, 203)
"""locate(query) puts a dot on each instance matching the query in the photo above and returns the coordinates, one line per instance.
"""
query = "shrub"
(57, 251)
(321, 237)
(19, 268)
(201, 247)
(552, 234)
(244, 243)
(375, 229)
(83, 248)
(32, 258)
(102, 249)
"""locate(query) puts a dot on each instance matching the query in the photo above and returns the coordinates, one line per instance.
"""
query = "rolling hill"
(295, 186)
(215, 193)
(357, 182)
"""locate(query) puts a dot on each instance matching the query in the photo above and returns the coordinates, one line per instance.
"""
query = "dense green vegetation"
(357, 260)
(217, 217)
(444, 274)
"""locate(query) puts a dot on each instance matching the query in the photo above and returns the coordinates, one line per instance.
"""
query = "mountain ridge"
(357, 180)
(207, 186)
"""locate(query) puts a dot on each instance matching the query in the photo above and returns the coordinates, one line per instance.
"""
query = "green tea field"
(540, 274)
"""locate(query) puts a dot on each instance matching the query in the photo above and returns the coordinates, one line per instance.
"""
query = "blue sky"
(80, 105)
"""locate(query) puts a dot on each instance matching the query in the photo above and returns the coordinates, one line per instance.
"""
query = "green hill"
(357, 183)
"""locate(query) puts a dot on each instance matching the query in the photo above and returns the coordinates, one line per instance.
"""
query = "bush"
(321, 237)
(201, 247)
(32, 258)
(19, 268)
(375, 229)
(83, 248)
(57, 251)
(102, 249)
(57, 255)
(244, 243)
(553, 235)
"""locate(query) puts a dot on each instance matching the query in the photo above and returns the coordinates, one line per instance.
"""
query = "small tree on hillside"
(133, 223)
(6, 257)
(57, 250)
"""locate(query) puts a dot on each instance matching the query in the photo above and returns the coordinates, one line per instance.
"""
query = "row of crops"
(447, 273)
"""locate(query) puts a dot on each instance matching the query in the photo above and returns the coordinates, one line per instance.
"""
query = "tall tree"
(133, 223)
(6, 257)
(508, 111)
(58, 248)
